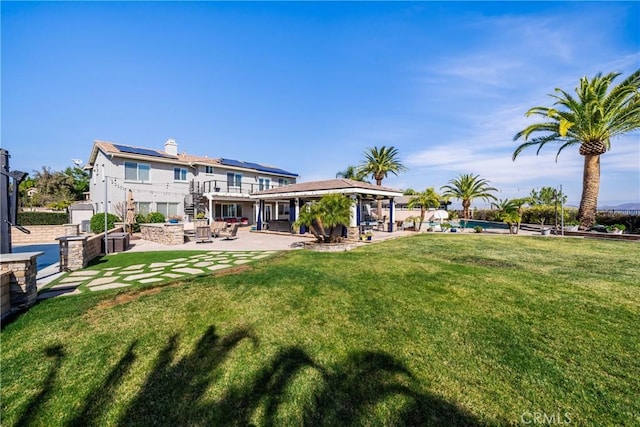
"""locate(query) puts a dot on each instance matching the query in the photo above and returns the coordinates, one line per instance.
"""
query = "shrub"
(535, 214)
(97, 222)
(43, 218)
(155, 218)
(477, 229)
(632, 222)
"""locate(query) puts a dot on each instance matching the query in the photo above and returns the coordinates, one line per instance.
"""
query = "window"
(208, 170)
(283, 210)
(167, 209)
(283, 181)
(179, 174)
(264, 184)
(143, 208)
(234, 179)
(136, 172)
(228, 211)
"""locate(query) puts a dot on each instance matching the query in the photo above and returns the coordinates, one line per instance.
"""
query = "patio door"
(267, 213)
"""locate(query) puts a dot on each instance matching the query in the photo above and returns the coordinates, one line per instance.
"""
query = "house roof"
(319, 188)
(142, 153)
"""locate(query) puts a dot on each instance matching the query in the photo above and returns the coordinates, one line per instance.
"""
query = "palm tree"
(426, 199)
(324, 216)
(590, 121)
(352, 172)
(510, 211)
(466, 188)
(378, 162)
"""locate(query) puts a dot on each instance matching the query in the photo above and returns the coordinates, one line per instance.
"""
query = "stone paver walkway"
(81, 281)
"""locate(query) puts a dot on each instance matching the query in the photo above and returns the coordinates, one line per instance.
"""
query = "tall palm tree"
(352, 172)
(466, 188)
(379, 162)
(426, 199)
(590, 121)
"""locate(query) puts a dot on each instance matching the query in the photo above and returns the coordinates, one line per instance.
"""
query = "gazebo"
(296, 195)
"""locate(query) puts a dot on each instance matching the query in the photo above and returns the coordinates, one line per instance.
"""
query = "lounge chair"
(230, 234)
(217, 227)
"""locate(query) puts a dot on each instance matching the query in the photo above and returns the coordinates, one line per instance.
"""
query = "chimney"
(171, 147)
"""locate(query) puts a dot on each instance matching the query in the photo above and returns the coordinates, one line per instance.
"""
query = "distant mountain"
(622, 207)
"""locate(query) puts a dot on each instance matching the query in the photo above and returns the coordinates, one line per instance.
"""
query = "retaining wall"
(39, 234)
(5, 288)
(166, 234)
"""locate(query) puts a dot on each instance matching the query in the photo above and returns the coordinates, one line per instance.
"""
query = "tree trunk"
(422, 212)
(379, 209)
(466, 212)
(590, 189)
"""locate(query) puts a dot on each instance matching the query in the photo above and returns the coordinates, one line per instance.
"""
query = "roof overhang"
(363, 192)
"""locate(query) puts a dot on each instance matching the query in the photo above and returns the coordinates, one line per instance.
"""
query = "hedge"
(97, 222)
(43, 218)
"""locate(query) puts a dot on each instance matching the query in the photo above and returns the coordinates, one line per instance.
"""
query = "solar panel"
(142, 151)
(256, 166)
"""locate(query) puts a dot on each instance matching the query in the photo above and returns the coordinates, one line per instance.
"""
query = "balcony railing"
(226, 187)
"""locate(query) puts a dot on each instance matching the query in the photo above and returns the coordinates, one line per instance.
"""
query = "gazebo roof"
(320, 188)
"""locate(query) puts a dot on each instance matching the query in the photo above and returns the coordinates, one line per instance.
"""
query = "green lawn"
(426, 330)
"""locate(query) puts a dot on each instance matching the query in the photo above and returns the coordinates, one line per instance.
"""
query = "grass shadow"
(365, 386)
(98, 400)
(169, 395)
(33, 409)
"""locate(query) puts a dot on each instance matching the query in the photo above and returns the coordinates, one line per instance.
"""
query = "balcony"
(226, 187)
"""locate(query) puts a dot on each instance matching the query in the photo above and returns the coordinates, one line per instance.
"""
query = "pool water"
(471, 223)
(50, 256)
(484, 224)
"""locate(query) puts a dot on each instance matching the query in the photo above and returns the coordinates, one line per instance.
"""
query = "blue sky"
(309, 86)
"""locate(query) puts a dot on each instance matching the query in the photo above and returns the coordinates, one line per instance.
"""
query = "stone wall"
(5, 288)
(22, 270)
(78, 251)
(39, 234)
(166, 234)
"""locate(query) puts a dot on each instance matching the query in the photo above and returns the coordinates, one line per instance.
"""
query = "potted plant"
(571, 225)
(445, 226)
(477, 229)
(616, 228)
(367, 236)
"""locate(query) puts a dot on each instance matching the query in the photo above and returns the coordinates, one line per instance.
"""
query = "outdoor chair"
(203, 234)
(217, 227)
(230, 234)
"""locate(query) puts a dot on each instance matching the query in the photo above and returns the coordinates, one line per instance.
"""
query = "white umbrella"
(131, 212)
(440, 214)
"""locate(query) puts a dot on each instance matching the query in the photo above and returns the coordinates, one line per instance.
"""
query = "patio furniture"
(230, 234)
(203, 234)
(217, 227)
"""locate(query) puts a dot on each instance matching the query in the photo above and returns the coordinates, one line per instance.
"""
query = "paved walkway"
(81, 281)
(249, 246)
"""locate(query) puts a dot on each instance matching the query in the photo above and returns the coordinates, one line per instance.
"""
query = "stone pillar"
(353, 233)
(22, 269)
(353, 218)
(71, 229)
(73, 253)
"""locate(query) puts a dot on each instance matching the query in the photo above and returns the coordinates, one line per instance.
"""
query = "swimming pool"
(471, 223)
(50, 256)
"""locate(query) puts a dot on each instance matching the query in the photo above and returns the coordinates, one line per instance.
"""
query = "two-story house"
(180, 184)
